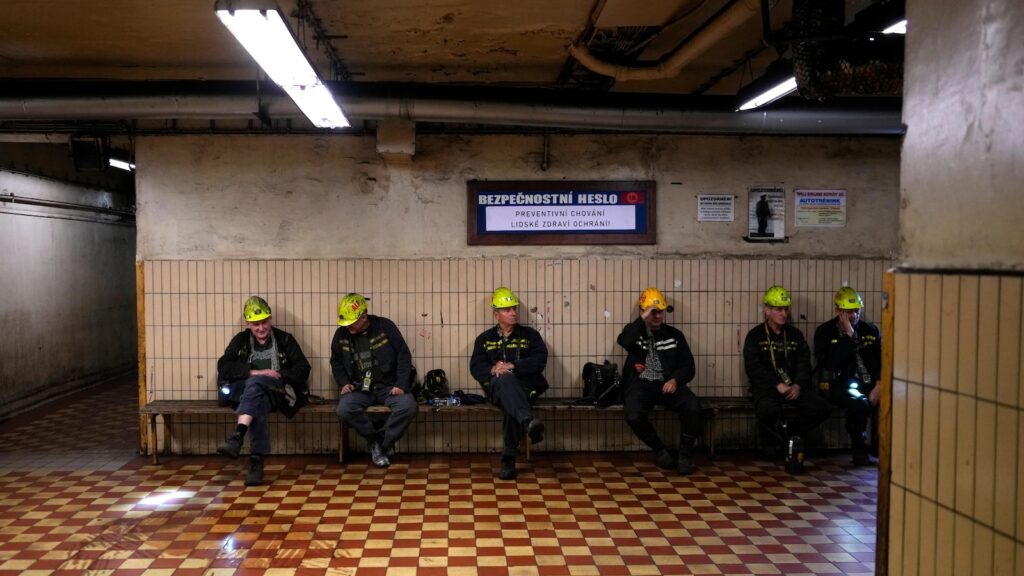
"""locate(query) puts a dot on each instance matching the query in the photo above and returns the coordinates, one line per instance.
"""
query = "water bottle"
(795, 455)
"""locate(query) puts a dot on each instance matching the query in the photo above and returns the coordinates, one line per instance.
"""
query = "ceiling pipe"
(138, 107)
(497, 106)
(38, 138)
(15, 201)
(802, 120)
(731, 18)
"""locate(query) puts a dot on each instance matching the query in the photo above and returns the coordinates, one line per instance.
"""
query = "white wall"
(296, 197)
(67, 292)
(963, 155)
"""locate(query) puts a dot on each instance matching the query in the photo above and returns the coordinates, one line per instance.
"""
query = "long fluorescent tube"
(897, 28)
(121, 164)
(264, 34)
(770, 95)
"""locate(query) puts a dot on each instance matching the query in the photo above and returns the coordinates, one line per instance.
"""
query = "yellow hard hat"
(652, 297)
(503, 298)
(848, 299)
(255, 309)
(350, 308)
(778, 297)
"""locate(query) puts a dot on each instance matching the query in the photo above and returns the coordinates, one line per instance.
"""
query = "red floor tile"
(603, 512)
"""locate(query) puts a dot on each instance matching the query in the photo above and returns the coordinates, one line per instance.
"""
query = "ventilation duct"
(537, 108)
(719, 28)
(831, 59)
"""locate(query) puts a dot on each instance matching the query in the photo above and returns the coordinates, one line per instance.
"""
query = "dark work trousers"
(509, 394)
(643, 395)
(857, 412)
(258, 400)
(352, 411)
(811, 410)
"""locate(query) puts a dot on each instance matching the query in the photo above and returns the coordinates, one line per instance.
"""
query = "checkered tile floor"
(431, 514)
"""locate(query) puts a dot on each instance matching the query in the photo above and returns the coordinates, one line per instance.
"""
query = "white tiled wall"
(192, 308)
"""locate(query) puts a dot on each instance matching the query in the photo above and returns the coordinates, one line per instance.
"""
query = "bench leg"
(529, 445)
(342, 436)
(167, 434)
(153, 438)
(711, 433)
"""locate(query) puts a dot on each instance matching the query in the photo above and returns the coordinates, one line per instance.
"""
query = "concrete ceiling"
(454, 44)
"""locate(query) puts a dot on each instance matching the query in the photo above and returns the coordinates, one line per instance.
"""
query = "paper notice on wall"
(716, 208)
(766, 214)
(820, 208)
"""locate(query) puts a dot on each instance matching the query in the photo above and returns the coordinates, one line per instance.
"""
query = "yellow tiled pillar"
(956, 495)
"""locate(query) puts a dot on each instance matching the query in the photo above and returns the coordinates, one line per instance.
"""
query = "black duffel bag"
(602, 384)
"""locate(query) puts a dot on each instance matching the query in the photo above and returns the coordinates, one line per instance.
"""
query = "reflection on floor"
(75, 500)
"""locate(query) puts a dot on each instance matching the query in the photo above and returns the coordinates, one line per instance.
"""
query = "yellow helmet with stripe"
(350, 308)
(255, 309)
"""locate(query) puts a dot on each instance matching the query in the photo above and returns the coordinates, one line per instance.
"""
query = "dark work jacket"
(392, 360)
(836, 361)
(671, 346)
(794, 357)
(524, 347)
(233, 366)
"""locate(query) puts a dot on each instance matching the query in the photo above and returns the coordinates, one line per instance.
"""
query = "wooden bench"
(553, 406)
(170, 408)
(425, 408)
(710, 406)
(715, 405)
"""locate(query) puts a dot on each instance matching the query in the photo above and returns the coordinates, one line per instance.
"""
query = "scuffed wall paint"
(226, 197)
(68, 293)
(963, 155)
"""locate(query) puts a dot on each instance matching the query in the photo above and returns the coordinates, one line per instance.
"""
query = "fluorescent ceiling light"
(897, 28)
(770, 95)
(264, 34)
(121, 164)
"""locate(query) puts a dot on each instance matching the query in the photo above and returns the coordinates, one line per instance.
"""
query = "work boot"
(232, 446)
(508, 469)
(255, 475)
(378, 456)
(664, 458)
(684, 461)
(862, 458)
(535, 430)
(860, 452)
(859, 448)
